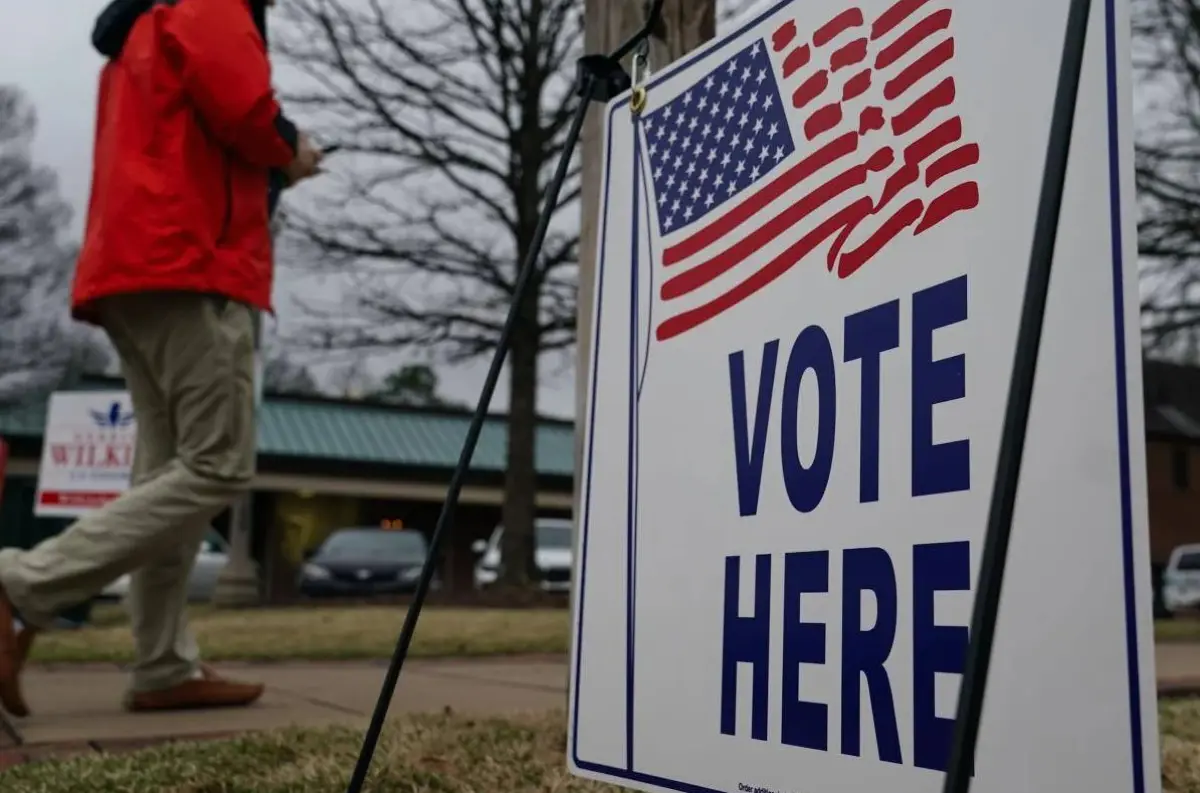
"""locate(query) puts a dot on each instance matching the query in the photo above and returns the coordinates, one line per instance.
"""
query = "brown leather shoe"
(210, 690)
(11, 698)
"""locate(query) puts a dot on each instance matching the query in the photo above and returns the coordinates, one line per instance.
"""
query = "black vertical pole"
(7, 730)
(446, 518)
(599, 79)
(1016, 414)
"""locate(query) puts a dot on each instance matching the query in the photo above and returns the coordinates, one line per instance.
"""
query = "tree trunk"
(686, 24)
(520, 484)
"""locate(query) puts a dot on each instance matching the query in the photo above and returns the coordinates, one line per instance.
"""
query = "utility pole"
(686, 24)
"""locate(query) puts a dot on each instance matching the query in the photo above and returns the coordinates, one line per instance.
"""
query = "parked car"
(361, 562)
(1181, 579)
(553, 555)
(210, 561)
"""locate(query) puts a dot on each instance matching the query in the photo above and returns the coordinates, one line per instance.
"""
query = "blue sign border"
(1131, 639)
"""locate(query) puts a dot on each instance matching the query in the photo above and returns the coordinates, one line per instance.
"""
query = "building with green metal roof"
(327, 430)
(324, 464)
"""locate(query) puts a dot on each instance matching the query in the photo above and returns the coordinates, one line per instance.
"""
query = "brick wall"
(1173, 484)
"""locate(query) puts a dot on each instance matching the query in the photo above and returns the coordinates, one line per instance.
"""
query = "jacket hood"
(114, 23)
(118, 18)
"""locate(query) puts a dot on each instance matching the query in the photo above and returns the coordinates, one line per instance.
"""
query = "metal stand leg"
(599, 78)
(1016, 414)
(9, 733)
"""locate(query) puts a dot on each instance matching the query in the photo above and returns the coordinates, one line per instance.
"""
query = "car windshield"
(551, 534)
(374, 544)
(556, 536)
(1189, 562)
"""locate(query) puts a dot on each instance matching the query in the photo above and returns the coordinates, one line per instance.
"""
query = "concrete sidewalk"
(81, 706)
(1178, 668)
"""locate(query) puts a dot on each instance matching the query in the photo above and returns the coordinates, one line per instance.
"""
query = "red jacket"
(187, 130)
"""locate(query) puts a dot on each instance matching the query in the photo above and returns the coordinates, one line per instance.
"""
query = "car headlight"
(411, 574)
(315, 572)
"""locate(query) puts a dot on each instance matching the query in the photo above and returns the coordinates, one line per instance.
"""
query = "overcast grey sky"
(48, 54)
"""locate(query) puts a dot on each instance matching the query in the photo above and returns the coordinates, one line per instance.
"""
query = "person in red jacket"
(176, 261)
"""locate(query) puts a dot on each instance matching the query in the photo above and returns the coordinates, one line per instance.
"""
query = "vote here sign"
(813, 249)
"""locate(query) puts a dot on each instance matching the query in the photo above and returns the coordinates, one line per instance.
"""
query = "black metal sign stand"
(9, 733)
(598, 78)
(1016, 413)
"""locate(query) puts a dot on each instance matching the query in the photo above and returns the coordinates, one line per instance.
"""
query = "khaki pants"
(188, 361)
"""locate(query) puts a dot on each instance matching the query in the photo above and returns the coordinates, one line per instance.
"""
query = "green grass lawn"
(1181, 629)
(440, 753)
(322, 633)
(444, 753)
(1179, 727)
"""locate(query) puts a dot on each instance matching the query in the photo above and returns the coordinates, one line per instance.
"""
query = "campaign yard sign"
(813, 249)
(87, 453)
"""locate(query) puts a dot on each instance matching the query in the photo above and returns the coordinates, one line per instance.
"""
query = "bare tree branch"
(39, 346)
(1167, 61)
(451, 114)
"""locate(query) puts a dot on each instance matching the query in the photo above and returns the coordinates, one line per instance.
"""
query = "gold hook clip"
(641, 69)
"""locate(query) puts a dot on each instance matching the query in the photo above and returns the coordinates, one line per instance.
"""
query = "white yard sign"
(87, 453)
(812, 259)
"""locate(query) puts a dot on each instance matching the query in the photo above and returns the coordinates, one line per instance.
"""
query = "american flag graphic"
(845, 136)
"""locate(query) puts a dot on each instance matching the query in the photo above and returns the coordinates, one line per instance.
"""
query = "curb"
(1179, 688)
(34, 753)
(421, 661)
(11, 757)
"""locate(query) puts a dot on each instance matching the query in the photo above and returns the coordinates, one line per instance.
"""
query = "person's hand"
(306, 163)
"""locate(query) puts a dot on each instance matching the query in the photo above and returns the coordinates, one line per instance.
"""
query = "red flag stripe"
(939, 20)
(850, 18)
(839, 147)
(851, 260)
(941, 95)
(856, 85)
(695, 277)
(906, 175)
(822, 120)
(962, 197)
(810, 89)
(932, 141)
(921, 67)
(783, 35)
(889, 19)
(962, 157)
(870, 119)
(956, 199)
(848, 55)
(763, 277)
(796, 59)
